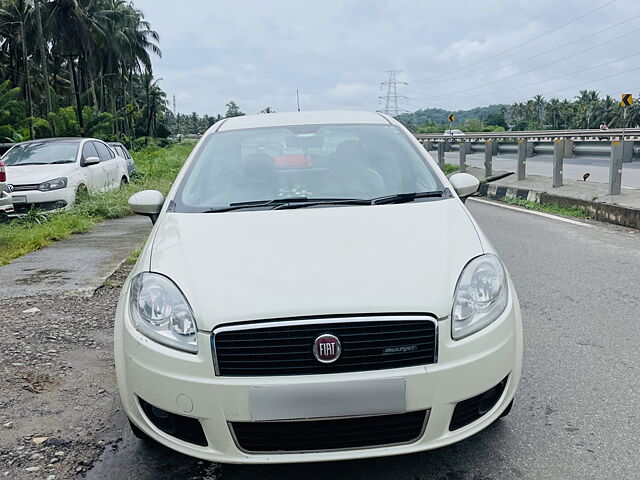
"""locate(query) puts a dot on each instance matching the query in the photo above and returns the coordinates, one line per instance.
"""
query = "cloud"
(336, 52)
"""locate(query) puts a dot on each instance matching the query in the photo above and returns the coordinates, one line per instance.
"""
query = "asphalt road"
(577, 413)
(574, 168)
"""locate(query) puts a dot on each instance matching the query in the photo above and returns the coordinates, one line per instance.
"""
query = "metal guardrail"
(591, 134)
(561, 143)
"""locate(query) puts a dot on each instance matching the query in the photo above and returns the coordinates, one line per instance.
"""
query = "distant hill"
(439, 116)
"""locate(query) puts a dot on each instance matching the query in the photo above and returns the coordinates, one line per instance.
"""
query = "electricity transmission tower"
(391, 106)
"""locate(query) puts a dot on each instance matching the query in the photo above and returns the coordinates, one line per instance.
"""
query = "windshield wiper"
(61, 161)
(289, 202)
(323, 201)
(406, 197)
(301, 202)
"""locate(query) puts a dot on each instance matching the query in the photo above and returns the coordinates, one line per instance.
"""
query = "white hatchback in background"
(314, 289)
(48, 174)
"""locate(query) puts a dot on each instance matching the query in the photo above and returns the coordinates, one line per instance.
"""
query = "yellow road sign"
(627, 100)
(451, 117)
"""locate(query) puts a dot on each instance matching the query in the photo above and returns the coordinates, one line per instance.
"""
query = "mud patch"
(46, 276)
(38, 382)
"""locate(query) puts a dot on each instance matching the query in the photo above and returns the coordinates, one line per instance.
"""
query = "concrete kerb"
(76, 266)
(606, 212)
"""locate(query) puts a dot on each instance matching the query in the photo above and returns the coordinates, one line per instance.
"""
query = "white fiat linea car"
(314, 289)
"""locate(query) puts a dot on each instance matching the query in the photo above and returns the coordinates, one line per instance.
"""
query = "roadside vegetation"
(85, 66)
(450, 168)
(587, 110)
(157, 168)
(576, 212)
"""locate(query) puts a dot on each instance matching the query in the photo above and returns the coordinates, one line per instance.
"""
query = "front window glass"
(44, 153)
(104, 151)
(315, 162)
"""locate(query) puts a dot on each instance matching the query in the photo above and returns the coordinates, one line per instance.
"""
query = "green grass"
(157, 167)
(133, 257)
(450, 168)
(576, 212)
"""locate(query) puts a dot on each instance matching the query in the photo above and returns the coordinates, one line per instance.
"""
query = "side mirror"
(90, 161)
(148, 203)
(464, 184)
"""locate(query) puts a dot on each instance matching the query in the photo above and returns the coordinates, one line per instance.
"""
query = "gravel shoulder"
(58, 386)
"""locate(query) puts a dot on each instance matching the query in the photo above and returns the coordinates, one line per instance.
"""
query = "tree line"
(71, 67)
(587, 110)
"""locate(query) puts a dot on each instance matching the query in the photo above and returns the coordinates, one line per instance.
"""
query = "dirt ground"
(58, 392)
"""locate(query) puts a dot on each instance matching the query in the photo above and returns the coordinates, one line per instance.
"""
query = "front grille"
(44, 206)
(286, 348)
(23, 188)
(318, 435)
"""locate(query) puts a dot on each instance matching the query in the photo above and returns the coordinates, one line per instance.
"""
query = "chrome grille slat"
(25, 187)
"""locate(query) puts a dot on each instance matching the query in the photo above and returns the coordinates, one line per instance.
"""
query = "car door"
(93, 174)
(122, 152)
(109, 165)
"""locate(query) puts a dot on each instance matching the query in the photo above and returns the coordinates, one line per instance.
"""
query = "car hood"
(251, 265)
(28, 174)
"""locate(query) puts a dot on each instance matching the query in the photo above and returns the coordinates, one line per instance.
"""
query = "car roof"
(300, 118)
(55, 140)
(114, 144)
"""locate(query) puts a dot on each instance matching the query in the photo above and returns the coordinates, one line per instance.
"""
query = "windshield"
(41, 153)
(310, 162)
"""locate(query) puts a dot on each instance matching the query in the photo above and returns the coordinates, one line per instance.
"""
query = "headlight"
(480, 296)
(160, 311)
(55, 184)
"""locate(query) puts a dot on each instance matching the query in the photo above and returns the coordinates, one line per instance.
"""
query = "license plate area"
(18, 198)
(328, 400)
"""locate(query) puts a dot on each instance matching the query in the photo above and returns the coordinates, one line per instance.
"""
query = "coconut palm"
(539, 103)
(554, 110)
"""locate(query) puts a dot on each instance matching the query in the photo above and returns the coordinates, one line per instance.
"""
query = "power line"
(544, 81)
(556, 78)
(549, 32)
(391, 106)
(588, 82)
(591, 81)
(538, 67)
(554, 49)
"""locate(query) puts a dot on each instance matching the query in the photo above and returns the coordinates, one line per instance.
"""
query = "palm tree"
(587, 102)
(607, 110)
(554, 108)
(539, 103)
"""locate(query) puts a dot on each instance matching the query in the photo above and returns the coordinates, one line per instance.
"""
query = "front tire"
(139, 434)
(81, 194)
(123, 182)
(507, 410)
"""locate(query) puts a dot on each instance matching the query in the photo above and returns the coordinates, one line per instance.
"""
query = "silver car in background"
(122, 151)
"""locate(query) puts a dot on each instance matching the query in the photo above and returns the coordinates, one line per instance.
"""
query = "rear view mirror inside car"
(304, 141)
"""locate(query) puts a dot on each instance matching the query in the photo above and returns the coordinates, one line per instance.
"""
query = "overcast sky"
(258, 53)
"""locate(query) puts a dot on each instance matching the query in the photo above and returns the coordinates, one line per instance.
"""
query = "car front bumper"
(6, 204)
(185, 384)
(51, 200)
